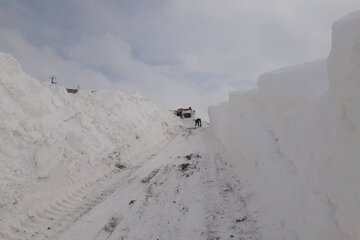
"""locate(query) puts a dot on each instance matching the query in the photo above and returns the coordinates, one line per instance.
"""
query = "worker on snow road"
(198, 122)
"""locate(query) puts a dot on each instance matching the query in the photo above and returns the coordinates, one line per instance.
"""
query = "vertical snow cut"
(297, 139)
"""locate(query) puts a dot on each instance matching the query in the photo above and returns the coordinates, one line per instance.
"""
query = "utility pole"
(52, 78)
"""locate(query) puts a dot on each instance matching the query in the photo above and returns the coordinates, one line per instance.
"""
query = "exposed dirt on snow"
(174, 196)
(188, 190)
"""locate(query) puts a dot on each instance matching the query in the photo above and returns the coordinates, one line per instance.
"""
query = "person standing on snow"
(198, 122)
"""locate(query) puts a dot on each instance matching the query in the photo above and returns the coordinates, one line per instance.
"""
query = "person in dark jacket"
(198, 122)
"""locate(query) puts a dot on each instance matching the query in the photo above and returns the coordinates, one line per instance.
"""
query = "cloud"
(176, 52)
(87, 68)
(43, 61)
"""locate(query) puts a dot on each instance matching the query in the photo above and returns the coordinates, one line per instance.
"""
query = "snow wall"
(49, 135)
(297, 138)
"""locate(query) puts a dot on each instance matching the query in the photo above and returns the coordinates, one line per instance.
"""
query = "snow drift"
(52, 139)
(297, 138)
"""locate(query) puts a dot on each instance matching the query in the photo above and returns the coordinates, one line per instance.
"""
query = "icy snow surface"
(54, 144)
(297, 139)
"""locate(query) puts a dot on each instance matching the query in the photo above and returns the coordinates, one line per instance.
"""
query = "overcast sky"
(175, 52)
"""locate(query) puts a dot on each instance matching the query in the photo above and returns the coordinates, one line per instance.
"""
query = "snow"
(186, 190)
(296, 138)
(52, 142)
(203, 201)
(280, 161)
(304, 80)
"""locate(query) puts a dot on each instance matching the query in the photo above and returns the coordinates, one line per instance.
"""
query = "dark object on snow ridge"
(73, 91)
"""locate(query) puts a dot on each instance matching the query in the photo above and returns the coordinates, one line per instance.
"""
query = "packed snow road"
(189, 190)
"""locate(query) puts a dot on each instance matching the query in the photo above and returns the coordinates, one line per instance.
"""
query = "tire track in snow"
(163, 206)
(49, 221)
(56, 216)
(200, 198)
(226, 215)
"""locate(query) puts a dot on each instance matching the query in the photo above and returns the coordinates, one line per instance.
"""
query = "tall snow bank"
(297, 139)
(48, 135)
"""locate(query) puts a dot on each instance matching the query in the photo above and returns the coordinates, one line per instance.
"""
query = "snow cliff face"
(48, 135)
(297, 138)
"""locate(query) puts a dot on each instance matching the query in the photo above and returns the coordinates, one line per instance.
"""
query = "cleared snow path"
(187, 191)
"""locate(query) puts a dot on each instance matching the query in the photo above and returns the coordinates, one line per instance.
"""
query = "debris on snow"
(189, 156)
(148, 178)
(241, 219)
(111, 225)
(184, 166)
(120, 165)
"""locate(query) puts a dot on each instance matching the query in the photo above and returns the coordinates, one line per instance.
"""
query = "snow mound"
(52, 139)
(297, 139)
